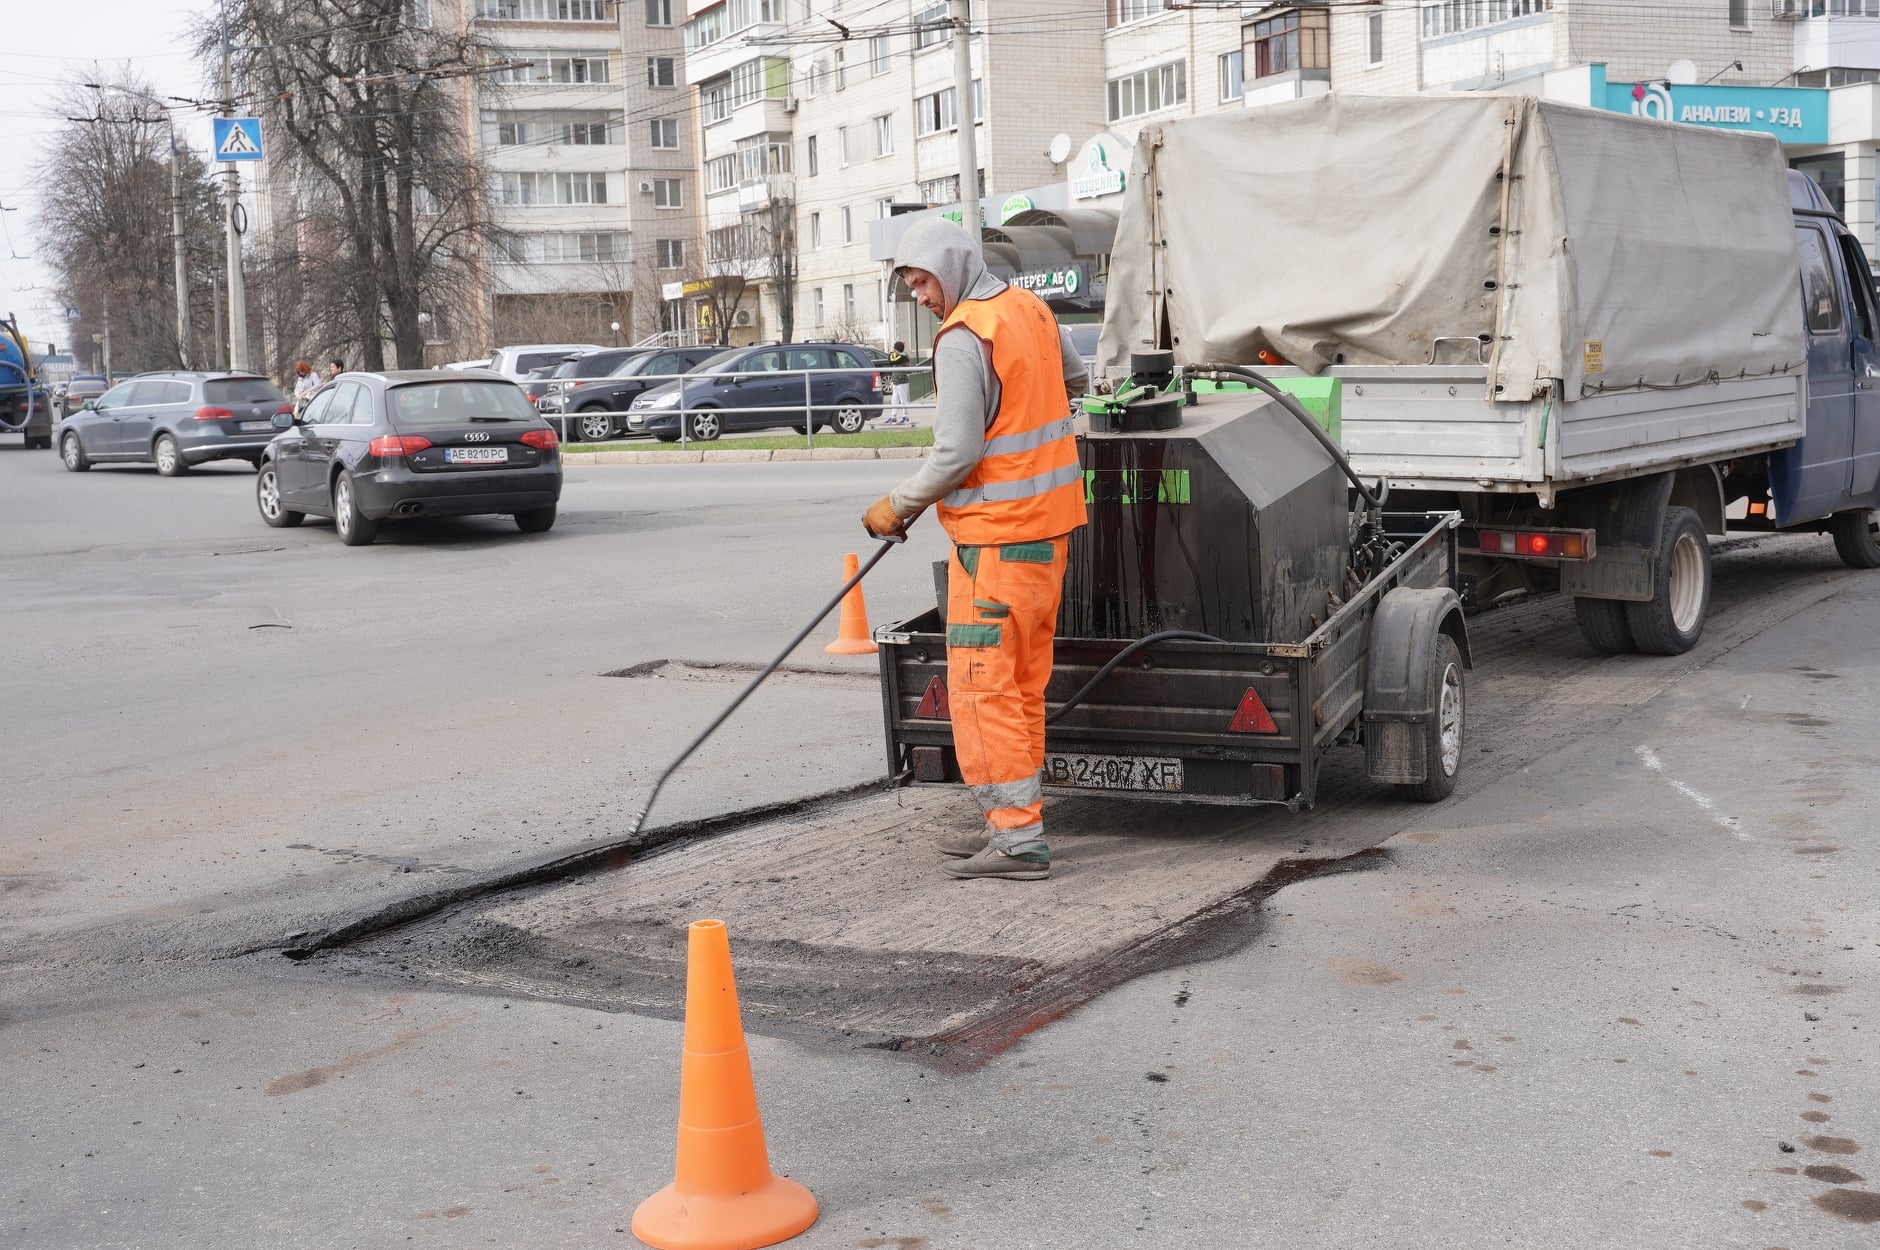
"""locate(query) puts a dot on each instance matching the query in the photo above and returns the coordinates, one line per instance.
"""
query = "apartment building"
(587, 141)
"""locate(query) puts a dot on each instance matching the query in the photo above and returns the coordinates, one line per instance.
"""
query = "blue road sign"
(72, 314)
(237, 138)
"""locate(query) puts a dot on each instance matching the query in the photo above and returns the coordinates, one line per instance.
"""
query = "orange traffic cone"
(852, 636)
(723, 1195)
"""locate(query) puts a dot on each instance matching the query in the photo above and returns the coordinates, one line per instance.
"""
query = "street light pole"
(237, 297)
(959, 12)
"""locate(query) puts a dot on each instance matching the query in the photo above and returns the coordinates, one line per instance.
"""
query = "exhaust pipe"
(408, 509)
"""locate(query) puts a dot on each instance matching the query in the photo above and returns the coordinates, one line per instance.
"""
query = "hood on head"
(944, 250)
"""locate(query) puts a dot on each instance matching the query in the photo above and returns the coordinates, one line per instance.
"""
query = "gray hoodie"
(966, 390)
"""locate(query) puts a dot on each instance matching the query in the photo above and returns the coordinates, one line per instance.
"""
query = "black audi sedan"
(372, 447)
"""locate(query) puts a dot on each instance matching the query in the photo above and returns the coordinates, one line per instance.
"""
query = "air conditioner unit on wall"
(789, 104)
(742, 317)
(1788, 10)
(646, 188)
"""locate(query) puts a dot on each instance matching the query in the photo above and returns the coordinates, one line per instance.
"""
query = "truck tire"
(1442, 733)
(1604, 626)
(1672, 620)
(1857, 537)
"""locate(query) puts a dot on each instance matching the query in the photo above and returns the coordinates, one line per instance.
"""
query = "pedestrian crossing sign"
(237, 138)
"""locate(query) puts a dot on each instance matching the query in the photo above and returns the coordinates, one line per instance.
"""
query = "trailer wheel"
(1442, 733)
(1603, 624)
(1857, 537)
(1670, 622)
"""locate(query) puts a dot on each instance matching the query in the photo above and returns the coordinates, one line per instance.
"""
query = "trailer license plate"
(1113, 772)
(476, 455)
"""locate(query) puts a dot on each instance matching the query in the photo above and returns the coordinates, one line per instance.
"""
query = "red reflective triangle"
(933, 704)
(1252, 717)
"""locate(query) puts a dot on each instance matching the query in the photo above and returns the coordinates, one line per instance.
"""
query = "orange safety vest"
(1028, 484)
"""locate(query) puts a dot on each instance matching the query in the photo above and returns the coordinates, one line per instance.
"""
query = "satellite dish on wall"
(1681, 73)
(1060, 149)
(803, 64)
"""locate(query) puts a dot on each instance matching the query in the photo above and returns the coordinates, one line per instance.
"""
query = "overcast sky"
(45, 45)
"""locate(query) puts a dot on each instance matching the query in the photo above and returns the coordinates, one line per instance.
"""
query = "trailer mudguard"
(1399, 679)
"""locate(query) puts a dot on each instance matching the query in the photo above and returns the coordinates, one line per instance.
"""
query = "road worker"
(1005, 476)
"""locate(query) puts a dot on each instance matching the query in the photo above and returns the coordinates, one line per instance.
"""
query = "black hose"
(1371, 496)
(1119, 657)
(758, 680)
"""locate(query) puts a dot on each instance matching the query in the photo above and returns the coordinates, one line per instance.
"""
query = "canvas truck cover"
(1359, 230)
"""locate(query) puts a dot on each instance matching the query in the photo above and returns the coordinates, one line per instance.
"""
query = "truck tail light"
(543, 440)
(1527, 544)
(213, 414)
(391, 446)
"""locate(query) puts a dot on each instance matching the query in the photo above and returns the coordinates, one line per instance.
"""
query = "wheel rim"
(1449, 720)
(71, 451)
(269, 492)
(342, 506)
(705, 428)
(1685, 587)
(849, 418)
(595, 429)
(166, 454)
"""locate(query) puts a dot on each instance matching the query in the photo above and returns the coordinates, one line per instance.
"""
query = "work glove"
(882, 520)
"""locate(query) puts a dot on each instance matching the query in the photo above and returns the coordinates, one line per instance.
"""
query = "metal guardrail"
(789, 416)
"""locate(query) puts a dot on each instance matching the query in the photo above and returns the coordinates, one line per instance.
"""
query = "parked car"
(1084, 335)
(754, 388)
(587, 366)
(372, 447)
(599, 407)
(174, 419)
(81, 388)
(515, 362)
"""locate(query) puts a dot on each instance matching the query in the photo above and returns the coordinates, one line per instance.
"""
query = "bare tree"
(776, 224)
(384, 221)
(112, 254)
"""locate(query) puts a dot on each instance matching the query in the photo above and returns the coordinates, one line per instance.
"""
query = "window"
(938, 111)
(721, 174)
(525, 189)
(659, 12)
(1451, 17)
(817, 316)
(665, 132)
(815, 230)
(723, 21)
(930, 27)
(564, 249)
(884, 208)
(1821, 307)
(884, 135)
(1291, 41)
(809, 154)
(668, 193)
(1374, 40)
(842, 147)
(1149, 90)
(762, 156)
(1231, 86)
(1827, 8)
(842, 69)
(545, 10)
(516, 129)
(848, 302)
(538, 67)
(715, 100)
(1123, 12)
(848, 225)
(941, 190)
(670, 253)
(418, 14)
(880, 59)
(659, 72)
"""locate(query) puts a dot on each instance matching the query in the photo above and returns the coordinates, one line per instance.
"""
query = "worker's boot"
(962, 842)
(1028, 865)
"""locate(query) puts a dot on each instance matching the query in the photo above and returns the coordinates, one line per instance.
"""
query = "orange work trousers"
(1002, 605)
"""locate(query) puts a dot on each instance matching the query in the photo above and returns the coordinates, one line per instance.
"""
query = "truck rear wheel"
(1857, 537)
(1672, 620)
(1442, 733)
(1603, 625)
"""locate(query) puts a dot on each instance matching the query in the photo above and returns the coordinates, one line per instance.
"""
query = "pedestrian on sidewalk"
(334, 368)
(1005, 476)
(306, 382)
(898, 413)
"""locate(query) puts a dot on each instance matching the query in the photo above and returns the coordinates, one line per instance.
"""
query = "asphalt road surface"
(1618, 991)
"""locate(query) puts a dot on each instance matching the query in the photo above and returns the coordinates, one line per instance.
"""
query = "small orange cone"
(723, 1195)
(852, 636)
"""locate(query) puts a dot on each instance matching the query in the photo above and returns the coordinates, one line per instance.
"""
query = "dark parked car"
(754, 388)
(375, 446)
(597, 406)
(587, 366)
(81, 388)
(174, 420)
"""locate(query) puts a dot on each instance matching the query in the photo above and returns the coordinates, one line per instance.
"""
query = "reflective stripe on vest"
(1030, 440)
(1004, 492)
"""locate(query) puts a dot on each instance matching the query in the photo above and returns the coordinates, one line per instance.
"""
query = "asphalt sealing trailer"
(1229, 616)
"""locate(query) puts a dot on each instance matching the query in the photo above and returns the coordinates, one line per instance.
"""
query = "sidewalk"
(734, 455)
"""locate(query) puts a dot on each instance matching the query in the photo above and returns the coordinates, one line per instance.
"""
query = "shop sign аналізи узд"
(1795, 115)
